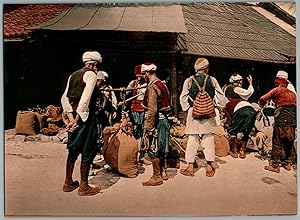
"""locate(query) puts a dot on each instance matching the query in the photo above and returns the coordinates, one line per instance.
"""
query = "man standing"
(156, 126)
(200, 130)
(284, 75)
(76, 101)
(137, 110)
(111, 103)
(284, 126)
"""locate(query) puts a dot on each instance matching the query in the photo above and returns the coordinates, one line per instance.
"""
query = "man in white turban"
(240, 114)
(111, 102)
(235, 90)
(156, 126)
(284, 75)
(82, 138)
(200, 131)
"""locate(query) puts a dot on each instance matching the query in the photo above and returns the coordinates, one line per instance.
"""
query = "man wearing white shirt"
(79, 105)
(240, 114)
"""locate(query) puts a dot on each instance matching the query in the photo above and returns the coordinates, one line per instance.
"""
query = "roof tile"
(17, 21)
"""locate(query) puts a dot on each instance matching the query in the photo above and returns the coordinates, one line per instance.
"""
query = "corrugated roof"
(232, 30)
(18, 18)
(157, 18)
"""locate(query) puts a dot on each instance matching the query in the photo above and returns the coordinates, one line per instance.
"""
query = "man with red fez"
(137, 110)
(79, 105)
(284, 126)
(200, 131)
(156, 125)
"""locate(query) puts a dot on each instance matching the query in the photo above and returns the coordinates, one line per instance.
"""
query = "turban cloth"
(100, 75)
(148, 68)
(235, 77)
(282, 74)
(91, 57)
(200, 64)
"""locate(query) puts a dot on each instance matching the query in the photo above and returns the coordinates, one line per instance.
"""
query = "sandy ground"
(35, 172)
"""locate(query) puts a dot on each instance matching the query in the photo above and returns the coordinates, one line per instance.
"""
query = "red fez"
(137, 69)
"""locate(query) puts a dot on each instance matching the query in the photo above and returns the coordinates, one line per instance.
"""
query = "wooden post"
(174, 90)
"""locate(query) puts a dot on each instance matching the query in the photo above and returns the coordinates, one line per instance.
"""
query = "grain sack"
(222, 146)
(120, 151)
(41, 120)
(25, 123)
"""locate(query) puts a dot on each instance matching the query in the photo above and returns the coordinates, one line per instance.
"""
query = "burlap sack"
(41, 119)
(120, 151)
(222, 146)
(25, 123)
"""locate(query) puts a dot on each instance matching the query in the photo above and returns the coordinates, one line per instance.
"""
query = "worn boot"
(84, 188)
(243, 149)
(233, 146)
(70, 185)
(163, 168)
(156, 179)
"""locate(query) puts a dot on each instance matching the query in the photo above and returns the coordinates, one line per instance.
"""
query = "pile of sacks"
(47, 121)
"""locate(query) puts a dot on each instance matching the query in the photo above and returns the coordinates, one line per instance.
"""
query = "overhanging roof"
(230, 30)
(157, 18)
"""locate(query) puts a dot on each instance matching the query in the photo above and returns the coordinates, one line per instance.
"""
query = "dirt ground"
(35, 172)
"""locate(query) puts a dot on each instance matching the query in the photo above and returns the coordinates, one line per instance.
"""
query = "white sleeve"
(65, 100)
(184, 96)
(244, 93)
(90, 80)
(114, 100)
(219, 98)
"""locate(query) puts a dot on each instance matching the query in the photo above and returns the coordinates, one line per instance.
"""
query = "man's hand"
(250, 80)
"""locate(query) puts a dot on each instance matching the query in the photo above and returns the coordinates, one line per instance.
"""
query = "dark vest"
(230, 94)
(76, 84)
(208, 88)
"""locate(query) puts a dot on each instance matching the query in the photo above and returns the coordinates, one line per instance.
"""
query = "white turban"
(91, 57)
(100, 75)
(282, 74)
(148, 67)
(235, 77)
(200, 64)
(104, 74)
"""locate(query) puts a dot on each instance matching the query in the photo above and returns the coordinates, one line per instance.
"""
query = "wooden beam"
(174, 92)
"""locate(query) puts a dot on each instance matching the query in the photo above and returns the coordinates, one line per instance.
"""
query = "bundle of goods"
(120, 148)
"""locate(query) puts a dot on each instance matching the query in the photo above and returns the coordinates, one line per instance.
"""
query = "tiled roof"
(18, 18)
(231, 30)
